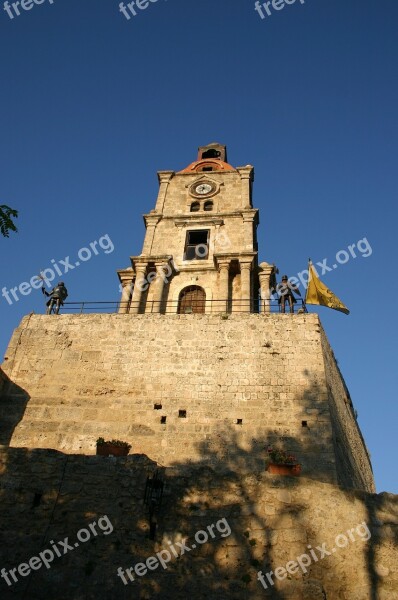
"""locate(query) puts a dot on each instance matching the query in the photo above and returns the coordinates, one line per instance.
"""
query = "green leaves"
(6, 222)
(117, 443)
(281, 457)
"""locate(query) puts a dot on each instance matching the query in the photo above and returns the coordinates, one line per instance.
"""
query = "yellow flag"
(318, 293)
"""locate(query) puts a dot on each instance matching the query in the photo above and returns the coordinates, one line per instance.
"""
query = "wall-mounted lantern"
(153, 499)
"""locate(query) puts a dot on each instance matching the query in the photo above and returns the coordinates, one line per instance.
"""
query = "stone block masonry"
(175, 386)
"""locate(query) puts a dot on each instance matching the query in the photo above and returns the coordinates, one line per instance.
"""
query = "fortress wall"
(46, 495)
(102, 375)
(353, 462)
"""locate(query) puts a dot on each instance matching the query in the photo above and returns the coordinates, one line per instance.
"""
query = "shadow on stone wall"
(230, 488)
(380, 510)
(13, 402)
(46, 495)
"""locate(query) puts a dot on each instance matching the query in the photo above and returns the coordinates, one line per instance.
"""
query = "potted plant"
(112, 447)
(282, 463)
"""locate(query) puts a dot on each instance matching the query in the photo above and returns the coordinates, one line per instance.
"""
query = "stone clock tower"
(198, 399)
(200, 248)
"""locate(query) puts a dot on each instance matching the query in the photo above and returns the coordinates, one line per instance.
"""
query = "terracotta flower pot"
(111, 450)
(292, 470)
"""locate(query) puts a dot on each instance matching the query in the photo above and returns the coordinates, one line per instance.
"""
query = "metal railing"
(252, 305)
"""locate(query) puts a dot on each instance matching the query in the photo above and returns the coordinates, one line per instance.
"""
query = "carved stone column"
(139, 288)
(159, 283)
(245, 287)
(126, 296)
(264, 274)
(223, 296)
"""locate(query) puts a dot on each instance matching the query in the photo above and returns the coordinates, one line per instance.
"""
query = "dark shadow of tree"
(380, 508)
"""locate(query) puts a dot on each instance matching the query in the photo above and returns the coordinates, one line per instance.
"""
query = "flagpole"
(309, 279)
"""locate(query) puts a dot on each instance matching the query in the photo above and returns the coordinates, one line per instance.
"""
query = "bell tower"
(200, 247)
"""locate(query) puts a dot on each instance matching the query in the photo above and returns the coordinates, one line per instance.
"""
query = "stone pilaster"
(247, 176)
(164, 179)
(151, 221)
(248, 225)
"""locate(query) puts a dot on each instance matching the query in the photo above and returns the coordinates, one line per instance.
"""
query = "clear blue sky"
(93, 104)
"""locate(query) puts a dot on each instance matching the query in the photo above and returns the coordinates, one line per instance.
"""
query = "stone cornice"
(152, 219)
(188, 217)
(150, 258)
(125, 274)
(165, 176)
(197, 219)
(246, 172)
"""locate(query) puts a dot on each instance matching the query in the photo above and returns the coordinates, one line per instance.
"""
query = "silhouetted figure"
(285, 290)
(57, 297)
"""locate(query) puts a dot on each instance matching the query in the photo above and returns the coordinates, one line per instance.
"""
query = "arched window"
(208, 205)
(195, 206)
(192, 300)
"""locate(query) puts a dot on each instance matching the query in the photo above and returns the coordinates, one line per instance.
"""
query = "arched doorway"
(192, 300)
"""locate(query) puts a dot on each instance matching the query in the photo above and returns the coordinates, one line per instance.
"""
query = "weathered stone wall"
(264, 522)
(115, 376)
(352, 456)
(229, 198)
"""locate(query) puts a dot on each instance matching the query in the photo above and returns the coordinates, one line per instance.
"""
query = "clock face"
(203, 188)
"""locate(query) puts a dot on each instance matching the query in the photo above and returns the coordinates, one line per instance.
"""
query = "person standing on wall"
(285, 290)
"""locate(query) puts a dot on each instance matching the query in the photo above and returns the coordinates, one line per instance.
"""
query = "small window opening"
(208, 206)
(304, 424)
(152, 530)
(37, 499)
(157, 407)
(197, 245)
(239, 421)
(163, 420)
(211, 153)
(195, 206)
(207, 169)
(182, 414)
